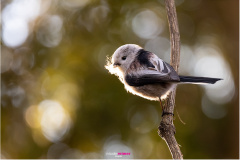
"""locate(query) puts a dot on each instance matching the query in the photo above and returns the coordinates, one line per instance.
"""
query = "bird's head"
(121, 59)
(124, 56)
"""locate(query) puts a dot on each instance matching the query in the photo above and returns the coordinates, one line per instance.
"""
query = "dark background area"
(58, 100)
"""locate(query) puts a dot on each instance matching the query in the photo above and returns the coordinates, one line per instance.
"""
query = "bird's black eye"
(124, 57)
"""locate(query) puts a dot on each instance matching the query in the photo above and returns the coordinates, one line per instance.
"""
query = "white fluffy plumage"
(144, 74)
(133, 65)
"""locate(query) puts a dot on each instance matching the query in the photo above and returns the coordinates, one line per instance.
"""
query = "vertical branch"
(166, 127)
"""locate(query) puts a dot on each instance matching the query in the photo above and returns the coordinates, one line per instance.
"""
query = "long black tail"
(190, 79)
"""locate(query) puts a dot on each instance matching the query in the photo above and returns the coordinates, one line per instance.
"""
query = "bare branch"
(167, 128)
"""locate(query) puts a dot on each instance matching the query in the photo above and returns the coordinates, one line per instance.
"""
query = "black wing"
(146, 79)
(149, 69)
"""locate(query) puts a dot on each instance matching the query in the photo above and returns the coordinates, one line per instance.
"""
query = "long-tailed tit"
(146, 75)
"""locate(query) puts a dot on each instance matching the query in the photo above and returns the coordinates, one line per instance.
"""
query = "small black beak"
(116, 64)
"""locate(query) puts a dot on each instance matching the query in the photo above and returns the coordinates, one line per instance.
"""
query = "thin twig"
(166, 127)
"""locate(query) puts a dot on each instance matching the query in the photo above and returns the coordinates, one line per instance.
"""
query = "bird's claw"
(167, 113)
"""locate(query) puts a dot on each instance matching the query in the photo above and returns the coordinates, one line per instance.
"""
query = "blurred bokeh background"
(58, 100)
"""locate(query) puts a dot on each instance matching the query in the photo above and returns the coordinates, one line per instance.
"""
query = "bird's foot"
(167, 113)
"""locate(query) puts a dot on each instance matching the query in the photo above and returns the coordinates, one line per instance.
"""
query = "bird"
(144, 74)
